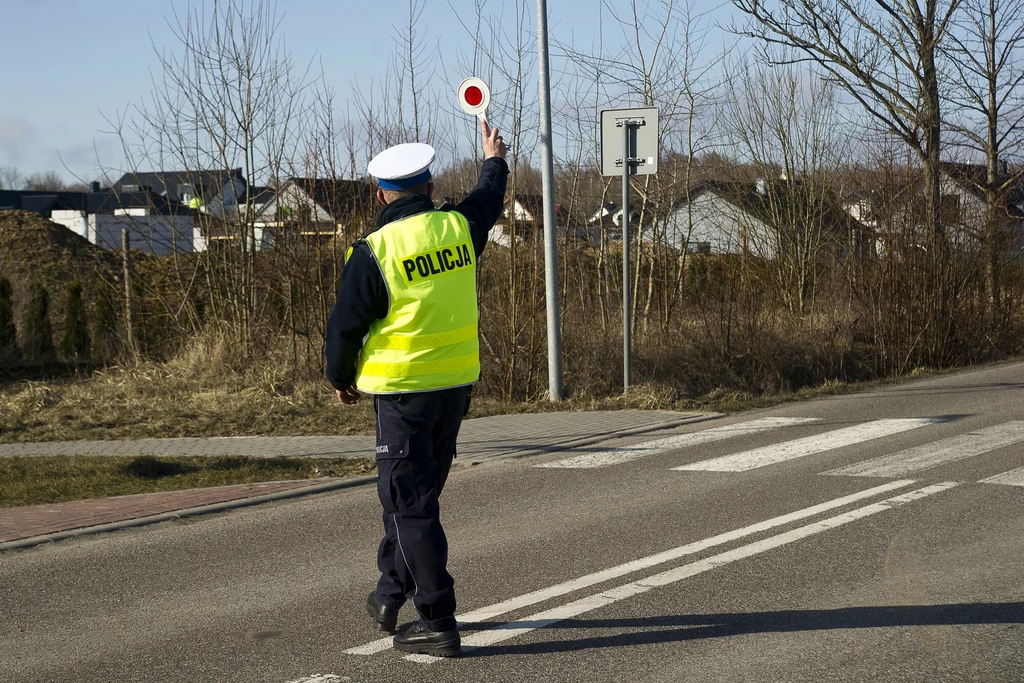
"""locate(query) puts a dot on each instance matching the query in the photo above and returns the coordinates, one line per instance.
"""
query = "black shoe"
(384, 618)
(420, 640)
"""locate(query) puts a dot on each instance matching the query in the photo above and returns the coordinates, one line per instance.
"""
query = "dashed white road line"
(321, 678)
(938, 453)
(1011, 478)
(615, 456)
(551, 616)
(798, 448)
(497, 609)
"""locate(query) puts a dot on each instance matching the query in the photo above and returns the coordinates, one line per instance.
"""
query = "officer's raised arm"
(482, 206)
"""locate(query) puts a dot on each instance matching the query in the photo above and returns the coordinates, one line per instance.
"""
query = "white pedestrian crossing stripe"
(615, 456)
(554, 615)
(798, 448)
(1011, 478)
(931, 455)
(829, 514)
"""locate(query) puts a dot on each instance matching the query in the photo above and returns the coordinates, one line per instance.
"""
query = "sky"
(70, 66)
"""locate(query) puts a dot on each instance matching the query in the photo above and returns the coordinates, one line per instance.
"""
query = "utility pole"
(626, 321)
(548, 183)
(129, 304)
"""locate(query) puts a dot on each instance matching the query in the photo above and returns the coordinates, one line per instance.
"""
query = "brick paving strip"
(40, 520)
(481, 439)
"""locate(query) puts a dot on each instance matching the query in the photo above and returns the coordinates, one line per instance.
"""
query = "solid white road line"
(615, 456)
(551, 616)
(1011, 478)
(798, 448)
(497, 609)
(939, 453)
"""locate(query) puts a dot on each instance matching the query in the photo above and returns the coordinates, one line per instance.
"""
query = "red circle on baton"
(473, 96)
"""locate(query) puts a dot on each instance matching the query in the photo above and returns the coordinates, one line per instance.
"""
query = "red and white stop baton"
(474, 96)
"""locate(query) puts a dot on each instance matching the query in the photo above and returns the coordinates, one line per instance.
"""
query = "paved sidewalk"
(481, 439)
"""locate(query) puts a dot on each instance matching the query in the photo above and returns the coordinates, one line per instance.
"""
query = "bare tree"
(655, 65)
(230, 104)
(49, 181)
(986, 50)
(786, 123)
(10, 178)
(885, 56)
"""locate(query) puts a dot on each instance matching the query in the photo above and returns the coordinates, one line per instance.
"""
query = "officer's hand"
(349, 396)
(494, 146)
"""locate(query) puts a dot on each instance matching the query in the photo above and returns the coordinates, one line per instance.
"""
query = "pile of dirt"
(35, 250)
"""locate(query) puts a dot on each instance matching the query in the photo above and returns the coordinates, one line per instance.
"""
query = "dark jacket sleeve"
(362, 298)
(482, 207)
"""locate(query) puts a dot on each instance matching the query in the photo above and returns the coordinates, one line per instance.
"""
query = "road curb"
(187, 512)
(33, 541)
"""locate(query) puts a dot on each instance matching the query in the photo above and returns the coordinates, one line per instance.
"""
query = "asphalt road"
(607, 564)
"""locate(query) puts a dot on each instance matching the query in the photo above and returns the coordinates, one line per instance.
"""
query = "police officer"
(404, 329)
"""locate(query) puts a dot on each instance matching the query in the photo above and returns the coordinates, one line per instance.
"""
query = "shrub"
(8, 331)
(38, 331)
(75, 343)
(104, 325)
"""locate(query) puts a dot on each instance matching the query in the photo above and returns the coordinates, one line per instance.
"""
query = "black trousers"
(416, 436)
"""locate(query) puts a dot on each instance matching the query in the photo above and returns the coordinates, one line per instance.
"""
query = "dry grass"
(54, 479)
(148, 401)
(197, 393)
(205, 390)
(178, 400)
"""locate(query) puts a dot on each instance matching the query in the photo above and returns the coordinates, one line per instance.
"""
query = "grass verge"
(35, 480)
(156, 400)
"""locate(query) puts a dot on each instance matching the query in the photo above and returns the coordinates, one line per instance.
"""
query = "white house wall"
(198, 239)
(156, 234)
(972, 218)
(499, 235)
(75, 221)
(719, 224)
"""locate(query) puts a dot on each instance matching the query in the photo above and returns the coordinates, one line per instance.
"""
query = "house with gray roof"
(765, 219)
(217, 193)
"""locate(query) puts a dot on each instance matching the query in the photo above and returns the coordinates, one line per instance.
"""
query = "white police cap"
(402, 166)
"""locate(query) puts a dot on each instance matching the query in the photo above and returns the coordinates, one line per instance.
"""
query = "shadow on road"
(671, 629)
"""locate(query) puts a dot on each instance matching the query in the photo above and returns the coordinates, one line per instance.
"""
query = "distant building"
(216, 193)
(314, 208)
(155, 224)
(963, 203)
(523, 216)
(895, 209)
(760, 218)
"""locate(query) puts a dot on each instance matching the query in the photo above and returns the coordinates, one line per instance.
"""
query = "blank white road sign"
(643, 140)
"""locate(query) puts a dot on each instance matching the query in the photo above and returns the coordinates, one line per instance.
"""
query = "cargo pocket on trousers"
(401, 487)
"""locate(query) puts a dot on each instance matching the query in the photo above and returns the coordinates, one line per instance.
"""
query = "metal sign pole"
(625, 258)
(548, 182)
(639, 157)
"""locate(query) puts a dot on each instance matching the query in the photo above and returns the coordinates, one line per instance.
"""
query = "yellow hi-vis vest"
(429, 338)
